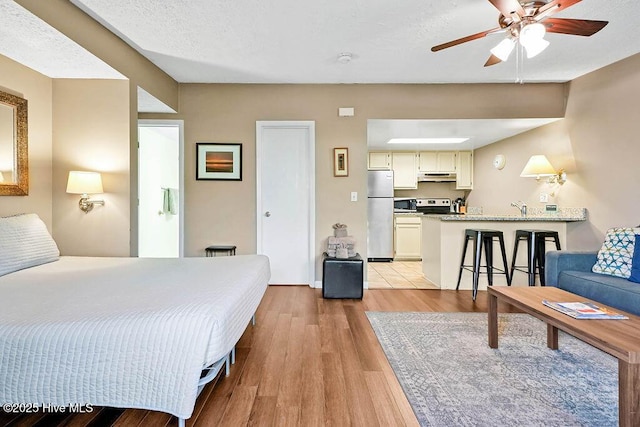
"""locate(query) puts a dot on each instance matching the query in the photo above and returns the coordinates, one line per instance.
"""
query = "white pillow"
(25, 242)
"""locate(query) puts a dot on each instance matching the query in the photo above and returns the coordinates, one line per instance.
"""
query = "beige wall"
(91, 132)
(218, 211)
(598, 145)
(37, 90)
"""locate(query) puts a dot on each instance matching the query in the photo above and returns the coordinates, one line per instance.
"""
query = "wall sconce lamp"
(85, 183)
(539, 166)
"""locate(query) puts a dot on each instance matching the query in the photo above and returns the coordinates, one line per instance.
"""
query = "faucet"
(520, 205)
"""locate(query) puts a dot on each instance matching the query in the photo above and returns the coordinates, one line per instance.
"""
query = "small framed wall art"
(218, 161)
(340, 162)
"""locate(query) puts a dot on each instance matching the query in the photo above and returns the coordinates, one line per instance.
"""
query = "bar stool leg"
(541, 252)
(504, 260)
(513, 259)
(477, 256)
(464, 253)
(531, 256)
(488, 251)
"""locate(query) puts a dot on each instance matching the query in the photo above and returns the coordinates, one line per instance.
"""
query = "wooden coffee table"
(619, 338)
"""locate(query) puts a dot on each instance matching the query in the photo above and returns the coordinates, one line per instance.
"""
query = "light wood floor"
(397, 275)
(308, 361)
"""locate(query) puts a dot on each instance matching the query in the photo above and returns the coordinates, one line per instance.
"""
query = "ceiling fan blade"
(493, 60)
(553, 7)
(578, 27)
(507, 7)
(465, 39)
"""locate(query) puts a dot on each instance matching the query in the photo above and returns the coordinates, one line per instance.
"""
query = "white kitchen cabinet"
(437, 162)
(405, 171)
(408, 237)
(464, 173)
(379, 160)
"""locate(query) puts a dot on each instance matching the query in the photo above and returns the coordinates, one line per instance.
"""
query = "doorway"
(160, 189)
(285, 171)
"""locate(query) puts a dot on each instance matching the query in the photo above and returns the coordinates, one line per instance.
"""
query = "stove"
(434, 206)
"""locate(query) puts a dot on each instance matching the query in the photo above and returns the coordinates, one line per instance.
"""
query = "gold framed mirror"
(14, 162)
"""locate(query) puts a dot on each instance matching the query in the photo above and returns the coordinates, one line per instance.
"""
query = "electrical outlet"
(544, 197)
(354, 196)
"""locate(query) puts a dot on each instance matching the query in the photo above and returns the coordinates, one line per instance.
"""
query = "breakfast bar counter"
(443, 238)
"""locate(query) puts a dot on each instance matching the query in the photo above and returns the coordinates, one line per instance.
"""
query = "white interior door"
(159, 169)
(285, 170)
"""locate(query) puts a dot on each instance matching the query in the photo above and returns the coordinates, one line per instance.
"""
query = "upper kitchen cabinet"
(379, 160)
(464, 173)
(437, 161)
(405, 171)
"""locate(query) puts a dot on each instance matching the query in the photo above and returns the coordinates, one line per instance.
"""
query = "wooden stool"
(536, 248)
(483, 237)
(213, 250)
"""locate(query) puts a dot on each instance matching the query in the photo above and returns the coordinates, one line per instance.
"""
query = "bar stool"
(536, 248)
(480, 238)
(213, 250)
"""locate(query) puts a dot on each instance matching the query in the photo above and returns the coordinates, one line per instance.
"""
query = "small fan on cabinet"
(526, 23)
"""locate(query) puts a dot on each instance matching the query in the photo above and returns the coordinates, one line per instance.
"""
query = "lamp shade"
(536, 47)
(504, 49)
(84, 183)
(531, 37)
(538, 166)
(531, 33)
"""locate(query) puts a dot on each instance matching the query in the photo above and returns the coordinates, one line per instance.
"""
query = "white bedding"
(122, 332)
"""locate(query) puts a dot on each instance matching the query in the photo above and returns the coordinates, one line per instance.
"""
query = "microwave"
(404, 204)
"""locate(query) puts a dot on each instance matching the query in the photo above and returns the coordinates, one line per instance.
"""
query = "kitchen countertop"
(535, 214)
(408, 213)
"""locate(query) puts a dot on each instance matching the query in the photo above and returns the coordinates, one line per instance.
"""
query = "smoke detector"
(345, 57)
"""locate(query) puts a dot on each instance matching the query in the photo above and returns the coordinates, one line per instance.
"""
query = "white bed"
(122, 332)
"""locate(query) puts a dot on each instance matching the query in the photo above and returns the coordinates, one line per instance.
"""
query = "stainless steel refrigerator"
(380, 215)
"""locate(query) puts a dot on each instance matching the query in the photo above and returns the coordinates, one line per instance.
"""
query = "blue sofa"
(571, 271)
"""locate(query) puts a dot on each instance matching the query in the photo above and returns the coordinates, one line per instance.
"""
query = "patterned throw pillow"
(615, 256)
(635, 264)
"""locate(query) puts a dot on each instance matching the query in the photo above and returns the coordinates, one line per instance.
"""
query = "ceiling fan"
(526, 22)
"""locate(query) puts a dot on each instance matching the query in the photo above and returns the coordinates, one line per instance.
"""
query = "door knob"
(267, 214)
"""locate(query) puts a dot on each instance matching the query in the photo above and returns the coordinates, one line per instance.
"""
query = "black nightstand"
(213, 250)
(342, 278)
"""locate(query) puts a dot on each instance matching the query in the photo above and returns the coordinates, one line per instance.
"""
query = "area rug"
(452, 378)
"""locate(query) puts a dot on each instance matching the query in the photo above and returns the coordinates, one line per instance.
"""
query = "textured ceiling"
(30, 41)
(298, 41)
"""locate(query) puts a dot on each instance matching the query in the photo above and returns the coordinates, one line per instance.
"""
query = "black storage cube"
(342, 278)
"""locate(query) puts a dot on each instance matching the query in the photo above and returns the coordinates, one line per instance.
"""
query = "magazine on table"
(584, 310)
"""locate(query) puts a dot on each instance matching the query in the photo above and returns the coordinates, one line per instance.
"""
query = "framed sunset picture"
(218, 161)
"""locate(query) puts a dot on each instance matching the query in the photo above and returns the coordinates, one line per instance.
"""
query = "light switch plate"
(544, 197)
(354, 196)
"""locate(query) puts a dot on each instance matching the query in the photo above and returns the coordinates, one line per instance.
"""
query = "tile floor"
(397, 275)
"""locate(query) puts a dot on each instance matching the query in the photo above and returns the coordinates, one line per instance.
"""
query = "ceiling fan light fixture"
(536, 47)
(504, 49)
(532, 38)
(531, 33)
